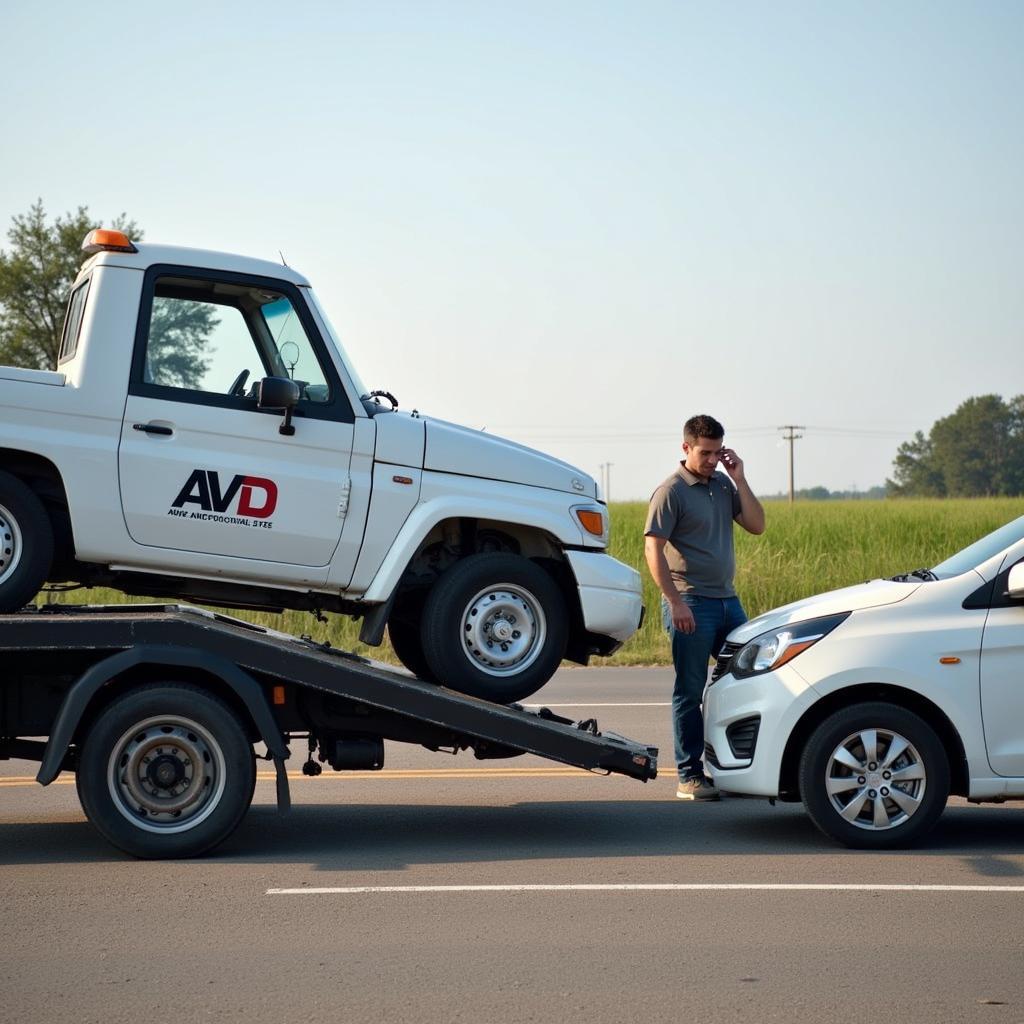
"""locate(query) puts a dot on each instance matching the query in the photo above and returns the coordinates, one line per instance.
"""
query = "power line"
(603, 433)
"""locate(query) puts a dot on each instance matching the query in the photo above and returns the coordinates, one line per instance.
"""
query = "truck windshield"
(981, 550)
(335, 338)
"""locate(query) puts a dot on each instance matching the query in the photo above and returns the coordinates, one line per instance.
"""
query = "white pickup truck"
(205, 436)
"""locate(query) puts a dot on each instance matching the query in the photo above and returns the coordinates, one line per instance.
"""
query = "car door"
(202, 469)
(1002, 675)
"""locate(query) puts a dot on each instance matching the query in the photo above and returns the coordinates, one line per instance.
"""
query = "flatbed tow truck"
(158, 709)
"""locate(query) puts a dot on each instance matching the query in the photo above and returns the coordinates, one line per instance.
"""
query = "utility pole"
(791, 437)
(606, 480)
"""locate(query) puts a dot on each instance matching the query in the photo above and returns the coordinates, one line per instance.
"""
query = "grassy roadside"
(811, 547)
(808, 548)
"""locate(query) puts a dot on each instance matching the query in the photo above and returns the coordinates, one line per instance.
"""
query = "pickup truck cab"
(205, 436)
(875, 702)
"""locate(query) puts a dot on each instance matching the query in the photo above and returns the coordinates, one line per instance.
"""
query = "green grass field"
(808, 548)
(811, 547)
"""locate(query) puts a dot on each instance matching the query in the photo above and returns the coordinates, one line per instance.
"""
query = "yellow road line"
(393, 774)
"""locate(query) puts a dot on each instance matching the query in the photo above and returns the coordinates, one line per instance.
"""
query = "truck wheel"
(405, 639)
(166, 771)
(494, 626)
(26, 544)
(874, 776)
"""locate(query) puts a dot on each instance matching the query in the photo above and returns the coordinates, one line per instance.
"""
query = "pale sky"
(578, 223)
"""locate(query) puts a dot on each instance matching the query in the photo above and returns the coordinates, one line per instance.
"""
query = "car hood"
(872, 594)
(451, 448)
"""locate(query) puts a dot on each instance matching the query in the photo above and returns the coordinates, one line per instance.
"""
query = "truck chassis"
(157, 710)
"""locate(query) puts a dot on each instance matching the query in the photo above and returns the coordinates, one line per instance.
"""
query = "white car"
(873, 703)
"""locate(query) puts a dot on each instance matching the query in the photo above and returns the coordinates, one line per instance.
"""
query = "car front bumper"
(747, 723)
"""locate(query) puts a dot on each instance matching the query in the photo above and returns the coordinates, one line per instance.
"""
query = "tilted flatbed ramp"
(57, 660)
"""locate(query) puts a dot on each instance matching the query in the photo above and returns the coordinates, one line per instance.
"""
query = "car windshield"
(981, 550)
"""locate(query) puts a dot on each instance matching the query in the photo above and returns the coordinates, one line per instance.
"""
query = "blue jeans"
(715, 617)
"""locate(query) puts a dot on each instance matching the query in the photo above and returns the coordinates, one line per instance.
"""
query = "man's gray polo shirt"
(695, 515)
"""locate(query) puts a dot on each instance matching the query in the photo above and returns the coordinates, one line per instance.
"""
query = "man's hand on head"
(733, 464)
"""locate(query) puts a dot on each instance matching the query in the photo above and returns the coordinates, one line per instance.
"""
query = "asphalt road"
(248, 934)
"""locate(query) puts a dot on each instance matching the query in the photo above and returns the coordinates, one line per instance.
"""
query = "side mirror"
(279, 393)
(1015, 582)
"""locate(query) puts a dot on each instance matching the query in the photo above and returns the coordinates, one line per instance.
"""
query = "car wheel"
(26, 544)
(166, 771)
(874, 776)
(405, 639)
(494, 626)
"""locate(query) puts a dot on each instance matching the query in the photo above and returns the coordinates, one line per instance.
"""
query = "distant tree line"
(977, 451)
(824, 494)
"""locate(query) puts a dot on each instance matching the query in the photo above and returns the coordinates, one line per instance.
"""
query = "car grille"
(725, 656)
(710, 757)
(742, 737)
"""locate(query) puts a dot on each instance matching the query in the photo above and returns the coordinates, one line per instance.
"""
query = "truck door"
(1002, 677)
(201, 468)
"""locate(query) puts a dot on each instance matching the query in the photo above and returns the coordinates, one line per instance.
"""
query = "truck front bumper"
(610, 595)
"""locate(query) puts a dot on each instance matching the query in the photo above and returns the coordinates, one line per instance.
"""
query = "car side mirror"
(1015, 582)
(279, 393)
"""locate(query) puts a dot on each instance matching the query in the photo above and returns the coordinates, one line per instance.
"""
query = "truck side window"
(220, 337)
(292, 349)
(201, 346)
(73, 323)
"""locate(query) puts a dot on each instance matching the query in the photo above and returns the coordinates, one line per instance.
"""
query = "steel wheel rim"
(11, 544)
(166, 774)
(503, 630)
(875, 779)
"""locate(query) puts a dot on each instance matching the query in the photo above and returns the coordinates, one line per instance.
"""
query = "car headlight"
(771, 650)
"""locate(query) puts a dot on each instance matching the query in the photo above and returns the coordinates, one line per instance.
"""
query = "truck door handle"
(152, 428)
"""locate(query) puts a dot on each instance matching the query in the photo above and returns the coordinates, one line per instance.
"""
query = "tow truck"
(158, 710)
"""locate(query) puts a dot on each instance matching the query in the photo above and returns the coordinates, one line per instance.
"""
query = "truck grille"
(725, 656)
(742, 737)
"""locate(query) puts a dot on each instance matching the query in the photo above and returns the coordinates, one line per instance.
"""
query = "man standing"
(689, 550)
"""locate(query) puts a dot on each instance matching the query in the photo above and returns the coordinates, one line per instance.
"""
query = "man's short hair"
(697, 427)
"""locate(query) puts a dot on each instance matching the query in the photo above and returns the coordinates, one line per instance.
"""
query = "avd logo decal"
(257, 499)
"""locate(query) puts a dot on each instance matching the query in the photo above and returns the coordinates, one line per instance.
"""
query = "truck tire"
(26, 544)
(494, 626)
(406, 640)
(874, 776)
(166, 771)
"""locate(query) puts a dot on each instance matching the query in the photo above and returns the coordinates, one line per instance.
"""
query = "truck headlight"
(771, 650)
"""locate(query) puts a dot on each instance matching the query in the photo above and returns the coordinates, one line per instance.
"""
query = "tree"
(179, 331)
(35, 278)
(977, 450)
(916, 472)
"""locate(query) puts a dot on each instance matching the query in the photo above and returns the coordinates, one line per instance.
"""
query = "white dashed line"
(357, 890)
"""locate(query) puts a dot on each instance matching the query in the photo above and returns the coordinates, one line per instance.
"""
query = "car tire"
(494, 626)
(408, 646)
(26, 544)
(166, 771)
(874, 776)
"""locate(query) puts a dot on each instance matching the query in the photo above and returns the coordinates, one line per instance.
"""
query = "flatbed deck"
(64, 664)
